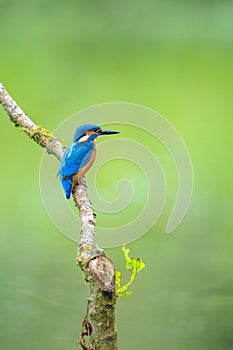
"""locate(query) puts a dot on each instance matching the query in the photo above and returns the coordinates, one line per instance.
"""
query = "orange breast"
(83, 170)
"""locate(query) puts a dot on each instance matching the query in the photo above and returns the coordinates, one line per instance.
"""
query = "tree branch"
(99, 323)
(40, 135)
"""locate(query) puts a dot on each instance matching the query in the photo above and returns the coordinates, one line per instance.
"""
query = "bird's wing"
(76, 156)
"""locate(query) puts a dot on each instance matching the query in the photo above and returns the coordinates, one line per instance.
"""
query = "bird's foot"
(77, 181)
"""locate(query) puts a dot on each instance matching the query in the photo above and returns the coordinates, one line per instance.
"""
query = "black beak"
(108, 132)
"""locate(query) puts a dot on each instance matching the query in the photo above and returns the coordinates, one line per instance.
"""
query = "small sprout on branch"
(134, 265)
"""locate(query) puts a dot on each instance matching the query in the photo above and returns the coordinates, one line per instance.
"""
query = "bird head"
(90, 129)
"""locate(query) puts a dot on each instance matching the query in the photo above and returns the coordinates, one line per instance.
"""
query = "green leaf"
(141, 266)
(126, 294)
(132, 264)
(118, 279)
(129, 265)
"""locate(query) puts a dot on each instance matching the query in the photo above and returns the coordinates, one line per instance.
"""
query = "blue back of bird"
(76, 156)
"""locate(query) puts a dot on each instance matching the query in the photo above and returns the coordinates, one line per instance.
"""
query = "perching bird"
(80, 155)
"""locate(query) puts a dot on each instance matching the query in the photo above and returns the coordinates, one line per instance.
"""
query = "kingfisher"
(80, 155)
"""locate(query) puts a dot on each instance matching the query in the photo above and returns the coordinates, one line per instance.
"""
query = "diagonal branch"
(40, 135)
(98, 269)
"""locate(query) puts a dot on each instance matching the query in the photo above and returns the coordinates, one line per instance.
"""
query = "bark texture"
(98, 327)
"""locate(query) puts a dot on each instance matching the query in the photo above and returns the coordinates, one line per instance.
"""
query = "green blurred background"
(176, 57)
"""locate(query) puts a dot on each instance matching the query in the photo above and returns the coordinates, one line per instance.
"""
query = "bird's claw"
(77, 182)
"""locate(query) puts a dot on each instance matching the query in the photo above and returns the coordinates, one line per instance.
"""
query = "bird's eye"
(98, 130)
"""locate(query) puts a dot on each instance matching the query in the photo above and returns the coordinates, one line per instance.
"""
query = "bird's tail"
(67, 186)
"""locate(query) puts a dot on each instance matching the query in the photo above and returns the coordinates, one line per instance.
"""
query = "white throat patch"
(84, 138)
